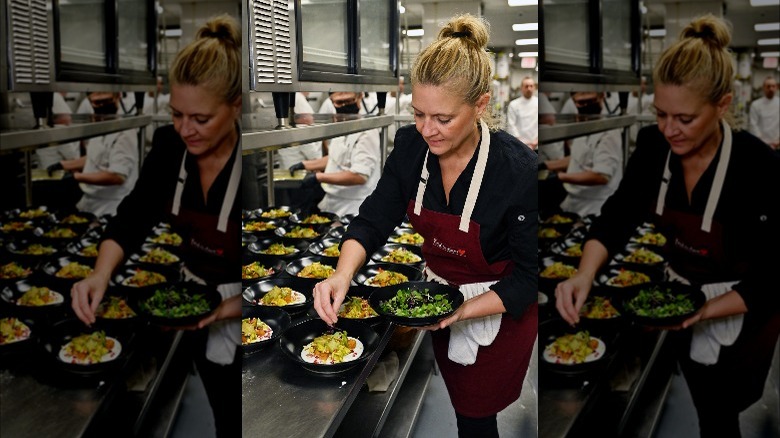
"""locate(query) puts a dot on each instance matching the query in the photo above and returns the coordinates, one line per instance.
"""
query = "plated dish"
(89, 349)
(574, 349)
(297, 345)
(398, 254)
(406, 236)
(293, 295)
(13, 330)
(662, 304)
(332, 348)
(416, 304)
(254, 334)
(177, 304)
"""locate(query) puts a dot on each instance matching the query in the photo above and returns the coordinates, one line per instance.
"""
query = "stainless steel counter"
(280, 399)
(557, 127)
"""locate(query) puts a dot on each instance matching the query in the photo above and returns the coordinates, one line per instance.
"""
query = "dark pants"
(485, 427)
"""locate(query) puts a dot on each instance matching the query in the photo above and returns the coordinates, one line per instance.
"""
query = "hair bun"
(222, 28)
(709, 29)
(467, 28)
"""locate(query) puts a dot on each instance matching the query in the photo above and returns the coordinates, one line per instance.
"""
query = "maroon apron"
(696, 253)
(494, 381)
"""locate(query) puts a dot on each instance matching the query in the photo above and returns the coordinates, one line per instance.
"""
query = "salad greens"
(414, 303)
(658, 302)
(170, 303)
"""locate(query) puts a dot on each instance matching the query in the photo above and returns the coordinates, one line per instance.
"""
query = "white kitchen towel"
(224, 336)
(708, 336)
(467, 336)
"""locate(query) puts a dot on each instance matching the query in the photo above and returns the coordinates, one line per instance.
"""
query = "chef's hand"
(328, 296)
(227, 309)
(86, 296)
(570, 295)
(296, 166)
(54, 167)
(448, 321)
(309, 181)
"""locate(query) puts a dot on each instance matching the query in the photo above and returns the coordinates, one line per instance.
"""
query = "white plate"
(108, 357)
(310, 358)
(23, 337)
(596, 355)
(58, 299)
(298, 298)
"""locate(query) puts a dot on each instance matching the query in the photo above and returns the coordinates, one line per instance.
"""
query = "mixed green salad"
(660, 302)
(171, 303)
(413, 303)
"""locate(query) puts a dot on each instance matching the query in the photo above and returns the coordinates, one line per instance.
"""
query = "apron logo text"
(204, 248)
(447, 249)
(689, 249)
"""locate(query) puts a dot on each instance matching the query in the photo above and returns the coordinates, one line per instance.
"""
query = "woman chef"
(191, 180)
(691, 175)
(471, 193)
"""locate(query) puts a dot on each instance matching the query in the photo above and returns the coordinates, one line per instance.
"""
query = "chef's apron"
(452, 251)
(211, 249)
(697, 256)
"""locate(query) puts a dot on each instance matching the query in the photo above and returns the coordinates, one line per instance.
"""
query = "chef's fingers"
(322, 304)
(79, 294)
(563, 302)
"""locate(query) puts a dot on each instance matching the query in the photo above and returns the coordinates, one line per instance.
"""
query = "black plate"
(75, 219)
(621, 256)
(253, 293)
(16, 214)
(362, 292)
(318, 248)
(545, 239)
(50, 268)
(346, 219)
(275, 317)
(10, 293)
(138, 300)
(400, 232)
(368, 271)
(161, 235)
(76, 249)
(262, 213)
(610, 271)
(277, 266)
(64, 331)
(17, 229)
(29, 265)
(548, 285)
(337, 232)
(119, 324)
(600, 324)
(136, 257)
(697, 297)
(256, 249)
(20, 346)
(652, 239)
(275, 224)
(560, 248)
(384, 293)
(385, 250)
(299, 335)
(62, 234)
(299, 218)
(280, 234)
(16, 250)
(550, 220)
(551, 329)
(171, 275)
(296, 266)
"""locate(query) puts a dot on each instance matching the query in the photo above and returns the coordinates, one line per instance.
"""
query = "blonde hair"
(213, 59)
(699, 60)
(458, 60)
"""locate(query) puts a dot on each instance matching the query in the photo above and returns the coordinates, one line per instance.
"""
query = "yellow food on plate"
(16, 226)
(13, 330)
(316, 219)
(143, 278)
(39, 296)
(316, 270)
(549, 233)
(302, 233)
(558, 219)
(74, 219)
(282, 296)
(656, 239)
(255, 270)
(165, 238)
(14, 270)
(558, 270)
(386, 278)
(90, 349)
(33, 213)
(159, 256)
(73, 270)
(598, 308)
(409, 239)
(278, 249)
(254, 330)
(401, 255)
(572, 349)
(90, 251)
(275, 213)
(332, 251)
(357, 308)
(60, 233)
(643, 256)
(38, 249)
(628, 278)
(115, 308)
(331, 349)
(574, 250)
(259, 226)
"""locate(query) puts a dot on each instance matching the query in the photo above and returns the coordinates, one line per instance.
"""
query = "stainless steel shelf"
(27, 138)
(268, 138)
(571, 127)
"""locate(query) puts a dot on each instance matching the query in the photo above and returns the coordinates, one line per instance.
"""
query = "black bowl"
(64, 331)
(398, 232)
(18, 250)
(605, 276)
(547, 284)
(255, 249)
(255, 292)
(272, 212)
(50, 268)
(318, 248)
(296, 266)
(369, 271)
(78, 220)
(382, 294)
(136, 258)
(276, 266)
(551, 329)
(37, 214)
(387, 249)
(650, 238)
(299, 335)
(76, 249)
(548, 235)
(625, 256)
(696, 296)
(337, 232)
(57, 234)
(300, 219)
(23, 345)
(11, 293)
(601, 324)
(248, 239)
(346, 219)
(282, 234)
(365, 293)
(119, 280)
(276, 318)
(566, 248)
(138, 302)
(561, 219)
(28, 266)
(17, 229)
(119, 324)
(270, 226)
(164, 237)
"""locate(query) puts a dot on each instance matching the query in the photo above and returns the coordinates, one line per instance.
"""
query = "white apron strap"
(230, 193)
(476, 180)
(180, 186)
(421, 186)
(717, 183)
(661, 202)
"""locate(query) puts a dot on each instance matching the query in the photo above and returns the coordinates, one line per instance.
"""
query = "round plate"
(600, 324)
(300, 219)
(566, 249)
(57, 234)
(37, 214)
(28, 338)
(299, 335)
(17, 229)
(145, 249)
(337, 232)
(76, 250)
(369, 271)
(561, 219)
(383, 294)
(165, 238)
(272, 212)
(275, 317)
(387, 249)
(28, 267)
(550, 330)
(256, 249)
(11, 293)
(630, 251)
(64, 331)
(606, 277)
(52, 267)
(270, 226)
(125, 273)
(18, 250)
(282, 233)
(365, 293)
(398, 233)
(548, 284)
(119, 324)
(78, 220)
(296, 266)
(138, 301)
(696, 296)
(254, 293)
(318, 248)
(276, 266)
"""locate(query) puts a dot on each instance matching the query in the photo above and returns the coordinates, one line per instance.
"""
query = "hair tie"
(459, 34)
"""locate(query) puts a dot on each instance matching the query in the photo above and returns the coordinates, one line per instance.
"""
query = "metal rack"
(571, 126)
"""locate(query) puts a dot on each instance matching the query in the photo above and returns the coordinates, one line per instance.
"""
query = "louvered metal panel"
(30, 59)
(271, 40)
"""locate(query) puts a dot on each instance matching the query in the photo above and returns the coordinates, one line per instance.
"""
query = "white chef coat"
(309, 151)
(601, 153)
(765, 119)
(358, 153)
(118, 153)
(67, 151)
(522, 119)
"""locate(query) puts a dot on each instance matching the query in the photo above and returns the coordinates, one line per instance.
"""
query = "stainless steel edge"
(563, 131)
(44, 137)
